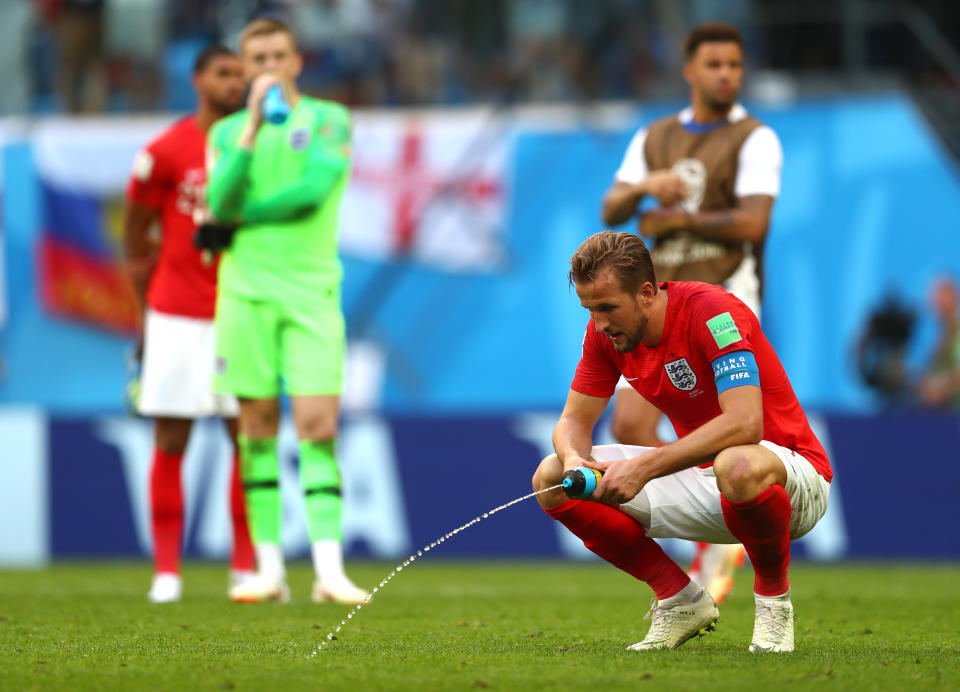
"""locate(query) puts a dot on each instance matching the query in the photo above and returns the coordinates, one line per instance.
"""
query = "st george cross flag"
(429, 187)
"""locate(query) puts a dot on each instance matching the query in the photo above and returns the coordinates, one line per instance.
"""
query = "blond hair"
(265, 26)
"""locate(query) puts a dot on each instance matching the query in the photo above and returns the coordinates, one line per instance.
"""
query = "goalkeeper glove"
(213, 238)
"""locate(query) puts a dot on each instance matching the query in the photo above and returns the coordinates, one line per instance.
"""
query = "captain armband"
(735, 369)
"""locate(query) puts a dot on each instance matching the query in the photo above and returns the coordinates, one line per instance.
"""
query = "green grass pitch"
(467, 625)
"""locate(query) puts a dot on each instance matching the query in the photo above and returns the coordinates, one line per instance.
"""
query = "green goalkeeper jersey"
(285, 195)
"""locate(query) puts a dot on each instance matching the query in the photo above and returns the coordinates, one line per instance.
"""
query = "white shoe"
(259, 589)
(166, 588)
(339, 591)
(673, 625)
(239, 576)
(773, 625)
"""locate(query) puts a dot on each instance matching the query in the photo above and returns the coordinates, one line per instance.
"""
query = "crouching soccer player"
(746, 467)
(278, 303)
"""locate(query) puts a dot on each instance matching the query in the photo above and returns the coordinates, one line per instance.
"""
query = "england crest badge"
(681, 374)
(300, 139)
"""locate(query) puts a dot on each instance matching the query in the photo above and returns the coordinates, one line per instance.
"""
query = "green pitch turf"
(500, 626)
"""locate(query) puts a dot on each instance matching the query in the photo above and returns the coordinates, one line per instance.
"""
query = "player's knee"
(622, 430)
(172, 436)
(171, 445)
(628, 432)
(259, 418)
(737, 474)
(317, 428)
(548, 473)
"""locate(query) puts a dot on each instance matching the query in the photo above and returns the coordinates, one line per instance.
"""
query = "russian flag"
(83, 169)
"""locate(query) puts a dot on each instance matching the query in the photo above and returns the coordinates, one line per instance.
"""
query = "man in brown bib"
(715, 171)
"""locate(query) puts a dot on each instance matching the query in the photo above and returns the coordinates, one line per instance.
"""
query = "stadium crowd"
(136, 55)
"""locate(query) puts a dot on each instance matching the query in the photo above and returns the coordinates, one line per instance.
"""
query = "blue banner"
(409, 480)
(847, 232)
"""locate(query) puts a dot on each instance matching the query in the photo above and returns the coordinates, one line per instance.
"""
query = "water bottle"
(580, 482)
(275, 108)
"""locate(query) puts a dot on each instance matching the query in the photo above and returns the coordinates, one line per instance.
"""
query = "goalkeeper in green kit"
(278, 311)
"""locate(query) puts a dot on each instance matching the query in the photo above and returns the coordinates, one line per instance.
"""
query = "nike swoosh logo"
(631, 379)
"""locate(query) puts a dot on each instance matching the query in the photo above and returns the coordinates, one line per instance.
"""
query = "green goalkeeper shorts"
(261, 341)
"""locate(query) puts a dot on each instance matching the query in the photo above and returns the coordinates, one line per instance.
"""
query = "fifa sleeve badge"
(724, 330)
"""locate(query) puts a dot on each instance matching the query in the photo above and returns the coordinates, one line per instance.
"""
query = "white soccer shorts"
(686, 504)
(176, 379)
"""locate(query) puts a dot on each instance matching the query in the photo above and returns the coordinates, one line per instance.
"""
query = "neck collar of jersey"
(737, 112)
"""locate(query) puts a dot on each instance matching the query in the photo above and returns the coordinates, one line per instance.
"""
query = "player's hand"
(258, 90)
(622, 480)
(573, 461)
(213, 237)
(658, 221)
(668, 188)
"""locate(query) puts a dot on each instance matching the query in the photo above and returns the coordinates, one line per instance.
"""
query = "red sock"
(166, 502)
(697, 558)
(763, 526)
(242, 557)
(622, 542)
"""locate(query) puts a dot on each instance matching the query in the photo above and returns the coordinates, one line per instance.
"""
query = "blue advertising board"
(409, 480)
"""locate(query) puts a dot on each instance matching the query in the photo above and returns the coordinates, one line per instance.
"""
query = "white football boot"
(260, 589)
(339, 591)
(773, 625)
(671, 626)
(239, 576)
(167, 587)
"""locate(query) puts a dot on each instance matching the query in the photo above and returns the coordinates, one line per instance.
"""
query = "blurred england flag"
(429, 188)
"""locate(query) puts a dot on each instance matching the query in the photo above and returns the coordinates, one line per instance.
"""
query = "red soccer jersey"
(703, 323)
(169, 176)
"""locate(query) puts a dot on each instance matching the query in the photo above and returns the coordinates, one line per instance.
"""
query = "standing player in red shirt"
(746, 467)
(178, 286)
